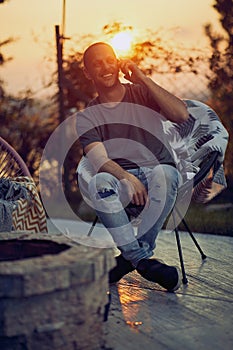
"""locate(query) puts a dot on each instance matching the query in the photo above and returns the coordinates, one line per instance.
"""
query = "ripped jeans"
(110, 200)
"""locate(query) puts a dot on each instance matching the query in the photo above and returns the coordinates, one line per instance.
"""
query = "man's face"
(102, 66)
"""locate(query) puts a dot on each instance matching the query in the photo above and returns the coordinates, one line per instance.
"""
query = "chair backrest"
(205, 166)
(11, 163)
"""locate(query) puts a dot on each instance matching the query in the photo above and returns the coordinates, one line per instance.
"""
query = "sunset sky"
(27, 20)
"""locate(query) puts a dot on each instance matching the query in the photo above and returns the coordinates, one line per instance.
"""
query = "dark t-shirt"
(131, 130)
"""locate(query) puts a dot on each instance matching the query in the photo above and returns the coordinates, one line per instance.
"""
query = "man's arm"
(98, 157)
(172, 108)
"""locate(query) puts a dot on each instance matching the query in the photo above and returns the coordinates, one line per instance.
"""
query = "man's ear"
(87, 75)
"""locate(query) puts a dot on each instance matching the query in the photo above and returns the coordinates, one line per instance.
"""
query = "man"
(122, 137)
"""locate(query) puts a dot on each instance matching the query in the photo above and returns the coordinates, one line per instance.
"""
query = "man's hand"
(136, 190)
(131, 71)
(98, 157)
(171, 107)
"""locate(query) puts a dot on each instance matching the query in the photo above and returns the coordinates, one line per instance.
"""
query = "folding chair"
(11, 163)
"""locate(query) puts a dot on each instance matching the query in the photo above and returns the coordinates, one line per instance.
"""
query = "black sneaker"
(121, 269)
(166, 276)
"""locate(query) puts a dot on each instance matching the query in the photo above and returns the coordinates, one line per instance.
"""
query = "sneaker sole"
(178, 282)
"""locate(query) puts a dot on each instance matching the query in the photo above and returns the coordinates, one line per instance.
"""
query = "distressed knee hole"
(105, 193)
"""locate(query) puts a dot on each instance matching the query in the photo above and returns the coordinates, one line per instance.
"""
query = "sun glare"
(122, 43)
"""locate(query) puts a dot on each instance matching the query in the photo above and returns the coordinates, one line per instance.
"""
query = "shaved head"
(89, 52)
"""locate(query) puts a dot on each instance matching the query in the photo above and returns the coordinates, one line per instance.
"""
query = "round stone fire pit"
(53, 293)
(17, 249)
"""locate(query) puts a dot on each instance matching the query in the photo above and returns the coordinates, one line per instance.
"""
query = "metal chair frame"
(11, 163)
(205, 167)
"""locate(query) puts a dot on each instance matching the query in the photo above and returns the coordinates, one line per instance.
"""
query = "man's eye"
(111, 60)
(97, 64)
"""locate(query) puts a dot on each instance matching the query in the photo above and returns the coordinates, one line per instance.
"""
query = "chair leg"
(107, 307)
(184, 278)
(92, 226)
(191, 235)
(203, 256)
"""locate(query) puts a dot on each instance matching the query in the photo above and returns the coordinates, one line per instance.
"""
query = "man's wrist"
(146, 81)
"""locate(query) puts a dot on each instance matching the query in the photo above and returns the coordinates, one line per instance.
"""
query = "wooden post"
(59, 44)
(61, 166)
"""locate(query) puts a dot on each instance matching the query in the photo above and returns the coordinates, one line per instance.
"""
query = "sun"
(122, 43)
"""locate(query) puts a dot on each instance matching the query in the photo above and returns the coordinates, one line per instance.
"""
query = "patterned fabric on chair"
(20, 205)
(200, 135)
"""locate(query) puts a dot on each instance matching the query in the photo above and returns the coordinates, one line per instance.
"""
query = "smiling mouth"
(109, 75)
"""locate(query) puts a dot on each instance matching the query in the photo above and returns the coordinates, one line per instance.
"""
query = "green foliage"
(221, 67)
(151, 53)
(27, 125)
(77, 89)
(3, 58)
(214, 219)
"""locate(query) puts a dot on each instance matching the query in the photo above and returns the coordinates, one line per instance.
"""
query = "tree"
(26, 124)
(78, 90)
(221, 78)
(152, 54)
(4, 60)
(28, 127)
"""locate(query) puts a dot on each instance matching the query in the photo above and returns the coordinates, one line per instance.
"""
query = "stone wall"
(54, 301)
